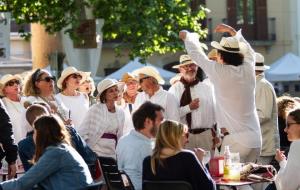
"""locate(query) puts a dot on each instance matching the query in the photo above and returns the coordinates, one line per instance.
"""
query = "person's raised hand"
(222, 28)
(199, 153)
(280, 155)
(194, 104)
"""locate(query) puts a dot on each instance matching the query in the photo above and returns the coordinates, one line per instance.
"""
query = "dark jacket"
(27, 149)
(8, 149)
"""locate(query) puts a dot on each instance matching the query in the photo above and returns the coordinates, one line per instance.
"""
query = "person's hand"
(221, 28)
(12, 170)
(182, 34)
(194, 104)
(199, 153)
(280, 155)
(68, 122)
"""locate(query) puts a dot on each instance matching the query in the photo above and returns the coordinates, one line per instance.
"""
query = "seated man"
(134, 147)
(27, 146)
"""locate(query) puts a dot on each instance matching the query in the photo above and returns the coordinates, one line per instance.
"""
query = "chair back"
(115, 180)
(166, 185)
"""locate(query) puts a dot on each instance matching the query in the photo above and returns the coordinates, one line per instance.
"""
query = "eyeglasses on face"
(290, 124)
(76, 76)
(12, 82)
(47, 79)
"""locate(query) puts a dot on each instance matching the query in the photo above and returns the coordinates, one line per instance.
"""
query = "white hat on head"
(67, 72)
(229, 44)
(259, 62)
(107, 83)
(151, 72)
(5, 78)
(184, 60)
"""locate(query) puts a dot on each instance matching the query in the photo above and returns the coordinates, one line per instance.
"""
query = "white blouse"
(288, 177)
(77, 105)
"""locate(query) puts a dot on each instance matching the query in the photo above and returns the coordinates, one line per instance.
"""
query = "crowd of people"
(56, 129)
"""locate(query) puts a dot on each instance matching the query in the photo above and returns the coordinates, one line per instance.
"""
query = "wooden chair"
(166, 185)
(115, 179)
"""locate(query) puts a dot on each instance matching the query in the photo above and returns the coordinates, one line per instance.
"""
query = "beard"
(154, 130)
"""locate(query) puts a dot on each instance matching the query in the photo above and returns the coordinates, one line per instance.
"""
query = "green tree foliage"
(142, 26)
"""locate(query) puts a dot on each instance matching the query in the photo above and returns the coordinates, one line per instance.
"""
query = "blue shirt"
(60, 167)
(131, 151)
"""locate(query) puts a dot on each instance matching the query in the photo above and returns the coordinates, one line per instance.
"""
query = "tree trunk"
(42, 45)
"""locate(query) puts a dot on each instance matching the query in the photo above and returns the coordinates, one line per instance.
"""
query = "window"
(251, 16)
(297, 88)
(14, 27)
(286, 88)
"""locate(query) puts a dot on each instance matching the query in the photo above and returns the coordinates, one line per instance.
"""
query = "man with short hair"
(134, 147)
(196, 104)
(266, 107)
(150, 81)
(8, 148)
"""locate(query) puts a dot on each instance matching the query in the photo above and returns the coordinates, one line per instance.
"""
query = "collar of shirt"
(160, 90)
(140, 135)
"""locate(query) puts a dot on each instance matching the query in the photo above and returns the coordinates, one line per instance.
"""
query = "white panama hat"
(184, 60)
(151, 72)
(67, 72)
(259, 62)
(107, 83)
(229, 44)
(8, 77)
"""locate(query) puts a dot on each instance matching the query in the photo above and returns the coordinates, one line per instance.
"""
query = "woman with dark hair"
(289, 173)
(57, 165)
(103, 124)
(169, 161)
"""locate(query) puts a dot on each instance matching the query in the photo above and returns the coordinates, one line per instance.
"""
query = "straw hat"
(259, 62)
(229, 44)
(151, 72)
(212, 54)
(4, 79)
(128, 76)
(184, 60)
(67, 72)
(107, 83)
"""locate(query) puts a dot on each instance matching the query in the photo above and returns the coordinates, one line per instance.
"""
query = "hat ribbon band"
(259, 64)
(231, 49)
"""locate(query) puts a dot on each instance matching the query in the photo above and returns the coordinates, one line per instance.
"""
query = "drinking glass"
(206, 157)
(235, 157)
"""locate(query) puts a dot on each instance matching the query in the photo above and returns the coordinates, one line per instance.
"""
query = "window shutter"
(261, 20)
(231, 13)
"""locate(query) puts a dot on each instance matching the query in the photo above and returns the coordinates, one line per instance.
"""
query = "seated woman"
(170, 161)
(56, 164)
(290, 168)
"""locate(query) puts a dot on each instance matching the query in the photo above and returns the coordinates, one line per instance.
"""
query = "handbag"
(258, 172)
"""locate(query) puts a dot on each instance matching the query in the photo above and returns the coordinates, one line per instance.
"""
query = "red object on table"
(216, 166)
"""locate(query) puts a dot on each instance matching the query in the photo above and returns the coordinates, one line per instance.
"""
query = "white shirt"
(266, 106)
(163, 98)
(202, 117)
(77, 105)
(234, 91)
(98, 121)
(15, 111)
(131, 151)
(288, 177)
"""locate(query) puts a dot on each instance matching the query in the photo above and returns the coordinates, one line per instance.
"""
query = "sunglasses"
(47, 79)
(76, 76)
(12, 82)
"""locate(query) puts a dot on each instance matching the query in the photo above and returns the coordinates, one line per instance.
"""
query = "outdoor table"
(233, 184)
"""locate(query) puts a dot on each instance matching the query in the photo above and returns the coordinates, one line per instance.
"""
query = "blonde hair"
(168, 136)
(29, 88)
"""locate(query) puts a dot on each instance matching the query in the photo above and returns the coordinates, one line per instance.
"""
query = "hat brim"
(120, 86)
(183, 64)
(62, 78)
(219, 47)
(262, 68)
